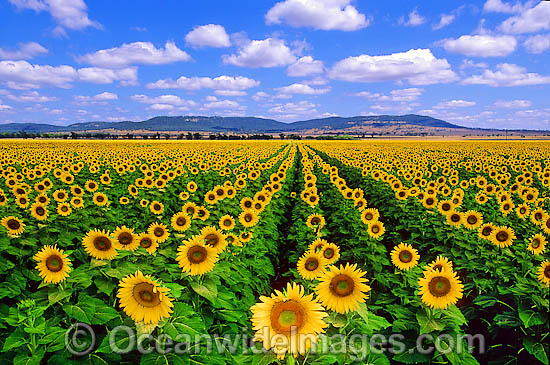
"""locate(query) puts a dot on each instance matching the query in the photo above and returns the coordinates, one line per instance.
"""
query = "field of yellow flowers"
(305, 252)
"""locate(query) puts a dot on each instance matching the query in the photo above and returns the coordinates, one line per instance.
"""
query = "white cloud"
(293, 110)
(23, 75)
(481, 45)
(414, 19)
(305, 66)
(223, 82)
(260, 95)
(25, 51)
(161, 107)
(538, 43)
(509, 104)
(222, 104)
(530, 20)
(100, 99)
(137, 53)
(444, 20)
(498, 6)
(471, 64)
(97, 75)
(31, 97)
(317, 14)
(270, 52)
(70, 14)
(230, 92)
(454, 104)
(210, 35)
(300, 89)
(507, 75)
(163, 99)
(5, 108)
(417, 66)
(399, 95)
(106, 96)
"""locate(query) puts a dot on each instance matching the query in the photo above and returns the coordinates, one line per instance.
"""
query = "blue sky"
(480, 64)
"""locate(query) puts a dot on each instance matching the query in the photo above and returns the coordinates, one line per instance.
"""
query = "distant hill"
(240, 124)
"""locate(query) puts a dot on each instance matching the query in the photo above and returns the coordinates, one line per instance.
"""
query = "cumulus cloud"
(317, 14)
(471, 64)
(481, 45)
(305, 66)
(538, 43)
(417, 66)
(230, 92)
(137, 53)
(302, 89)
(530, 20)
(293, 110)
(414, 19)
(5, 108)
(444, 20)
(512, 104)
(454, 104)
(209, 35)
(506, 75)
(23, 75)
(96, 99)
(164, 102)
(269, 52)
(24, 51)
(399, 95)
(97, 75)
(222, 104)
(31, 97)
(106, 96)
(70, 14)
(223, 82)
(499, 6)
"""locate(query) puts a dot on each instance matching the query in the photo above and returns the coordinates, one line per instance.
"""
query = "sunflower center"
(547, 271)
(212, 239)
(439, 286)
(248, 218)
(486, 231)
(54, 263)
(227, 222)
(102, 243)
(472, 219)
(311, 264)
(446, 206)
(315, 221)
(522, 210)
(368, 216)
(181, 221)
(429, 201)
(342, 285)
(99, 198)
(248, 204)
(538, 216)
(145, 295)
(146, 242)
(329, 253)
(287, 317)
(197, 254)
(455, 218)
(42, 199)
(405, 256)
(158, 231)
(502, 236)
(14, 224)
(125, 238)
(156, 206)
(536, 243)
(64, 208)
(375, 229)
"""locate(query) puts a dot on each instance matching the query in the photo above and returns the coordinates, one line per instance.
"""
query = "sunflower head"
(53, 265)
(214, 238)
(180, 221)
(311, 265)
(439, 289)
(125, 239)
(148, 242)
(159, 231)
(195, 257)
(330, 252)
(544, 273)
(404, 257)
(98, 244)
(14, 225)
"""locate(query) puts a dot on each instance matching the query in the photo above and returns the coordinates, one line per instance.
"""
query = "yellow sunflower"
(60, 195)
(315, 221)
(53, 265)
(156, 207)
(311, 265)
(195, 257)
(289, 322)
(180, 221)
(330, 252)
(39, 211)
(100, 199)
(537, 245)
(64, 209)
(544, 273)
(317, 245)
(214, 238)
(454, 218)
(245, 236)
(143, 299)
(404, 256)
(370, 215)
(439, 289)
(98, 244)
(159, 230)
(249, 218)
(472, 219)
(125, 239)
(376, 229)
(91, 186)
(342, 289)
(14, 225)
(441, 263)
(148, 242)
(227, 222)
(485, 230)
(502, 236)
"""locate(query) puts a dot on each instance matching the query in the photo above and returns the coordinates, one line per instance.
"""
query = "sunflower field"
(277, 252)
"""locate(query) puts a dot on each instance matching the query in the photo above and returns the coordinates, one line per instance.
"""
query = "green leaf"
(34, 359)
(428, 323)
(184, 321)
(371, 320)
(56, 294)
(207, 289)
(163, 359)
(16, 339)
(537, 349)
(530, 317)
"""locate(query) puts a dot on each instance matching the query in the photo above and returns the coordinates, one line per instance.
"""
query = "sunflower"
(544, 273)
(22, 201)
(342, 289)
(143, 203)
(249, 218)
(369, 215)
(246, 203)
(404, 257)
(317, 245)
(64, 209)
(156, 207)
(143, 299)
(429, 201)
(53, 265)
(537, 245)
(184, 195)
(376, 229)
(293, 319)
(39, 211)
(98, 244)
(485, 230)
(60, 195)
(14, 225)
(210, 197)
(180, 221)
(100, 199)
(441, 263)
(502, 236)
(191, 186)
(77, 202)
(148, 242)
(330, 252)
(522, 211)
(201, 213)
(311, 265)
(454, 219)
(439, 289)
(214, 238)
(3, 199)
(472, 219)
(546, 224)
(446, 207)
(233, 239)
(195, 257)
(315, 221)
(123, 200)
(159, 230)
(125, 239)
(227, 222)
(91, 186)
(190, 208)
(245, 236)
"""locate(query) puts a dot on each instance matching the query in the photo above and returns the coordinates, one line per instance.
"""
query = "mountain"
(239, 124)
